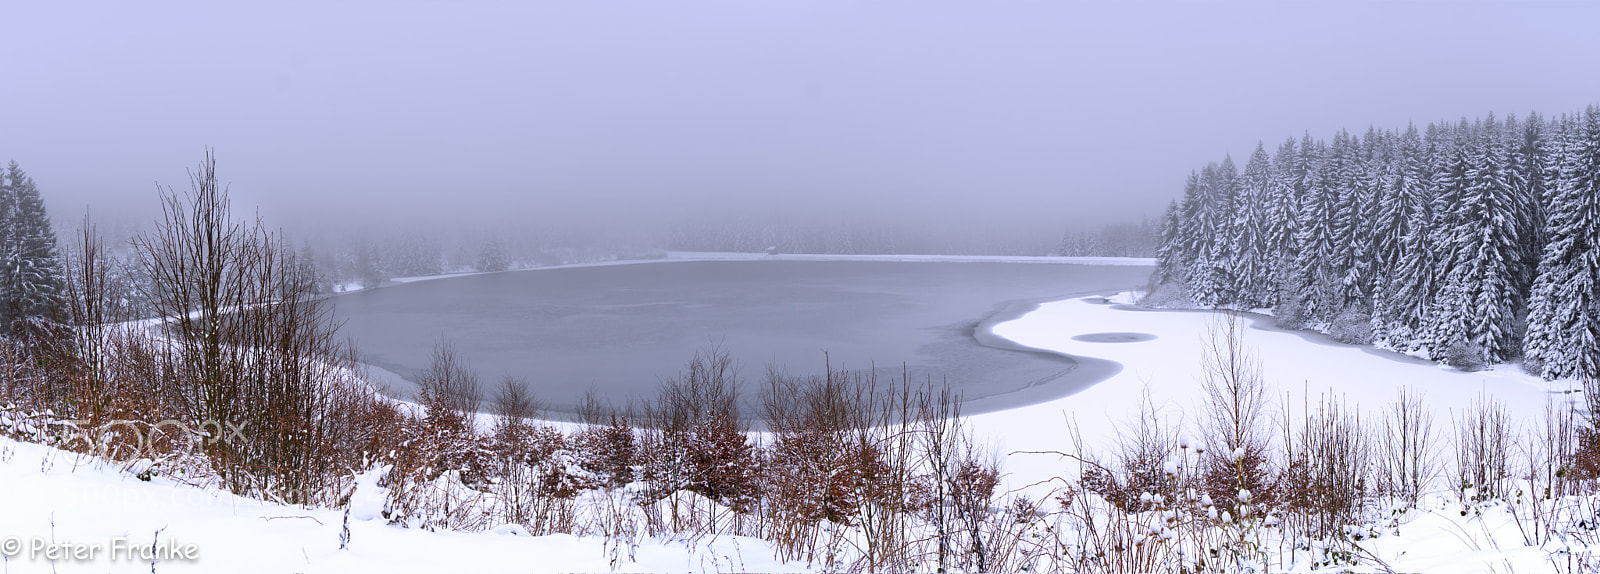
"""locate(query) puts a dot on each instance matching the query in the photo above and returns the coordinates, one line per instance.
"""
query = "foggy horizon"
(641, 115)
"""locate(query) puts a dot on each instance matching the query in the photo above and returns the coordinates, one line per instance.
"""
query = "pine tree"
(1482, 282)
(1210, 226)
(1252, 260)
(1564, 314)
(492, 257)
(32, 282)
(1169, 256)
(1443, 317)
(1283, 213)
(1315, 282)
(1359, 175)
(1531, 159)
(1401, 252)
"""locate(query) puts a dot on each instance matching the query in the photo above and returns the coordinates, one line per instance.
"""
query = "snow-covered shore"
(1298, 370)
(52, 499)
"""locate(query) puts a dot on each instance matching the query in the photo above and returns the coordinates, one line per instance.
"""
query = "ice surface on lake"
(622, 328)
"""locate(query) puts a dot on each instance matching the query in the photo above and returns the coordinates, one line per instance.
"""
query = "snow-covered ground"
(1299, 370)
(49, 496)
(55, 501)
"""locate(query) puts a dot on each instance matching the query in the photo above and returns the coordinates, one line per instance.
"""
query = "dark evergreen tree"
(1563, 337)
(1402, 255)
(1170, 255)
(32, 282)
(1443, 316)
(492, 257)
(1211, 227)
(1252, 260)
(1282, 218)
(1530, 166)
(1315, 281)
(1481, 295)
(1343, 186)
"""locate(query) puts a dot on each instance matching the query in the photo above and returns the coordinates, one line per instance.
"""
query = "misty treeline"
(860, 237)
(366, 258)
(1470, 242)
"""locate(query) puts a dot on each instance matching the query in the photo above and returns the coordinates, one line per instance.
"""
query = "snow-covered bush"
(1352, 326)
(1168, 295)
(1464, 355)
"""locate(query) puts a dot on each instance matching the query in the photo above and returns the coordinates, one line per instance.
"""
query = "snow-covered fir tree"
(1483, 281)
(1312, 286)
(492, 257)
(1251, 265)
(1564, 312)
(32, 280)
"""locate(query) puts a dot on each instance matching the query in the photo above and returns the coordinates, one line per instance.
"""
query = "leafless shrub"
(972, 484)
(1139, 469)
(696, 441)
(444, 465)
(246, 345)
(1548, 452)
(1484, 442)
(594, 410)
(1464, 355)
(1233, 422)
(1408, 458)
(841, 456)
(1327, 481)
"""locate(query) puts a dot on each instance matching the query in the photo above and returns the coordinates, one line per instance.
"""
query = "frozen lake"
(622, 328)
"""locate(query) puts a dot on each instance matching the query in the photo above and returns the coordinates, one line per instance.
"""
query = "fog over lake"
(621, 329)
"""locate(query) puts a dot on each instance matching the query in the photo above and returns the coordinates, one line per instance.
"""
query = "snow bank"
(54, 498)
(1298, 367)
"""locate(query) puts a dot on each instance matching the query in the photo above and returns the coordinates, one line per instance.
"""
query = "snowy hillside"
(59, 501)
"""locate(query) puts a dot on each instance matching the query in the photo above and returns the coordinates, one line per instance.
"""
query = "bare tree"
(1409, 460)
(91, 312)
(250, 352)
(1233, 421)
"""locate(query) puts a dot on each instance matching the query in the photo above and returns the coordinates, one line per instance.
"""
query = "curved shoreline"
(1010, 382)
(1089, 370)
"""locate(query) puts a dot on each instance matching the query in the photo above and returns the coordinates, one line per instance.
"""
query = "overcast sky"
(1077, 112)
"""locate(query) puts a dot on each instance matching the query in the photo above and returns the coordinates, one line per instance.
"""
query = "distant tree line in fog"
(1115, 240)
(1470, 242)
(860, 238)
(357, 260)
